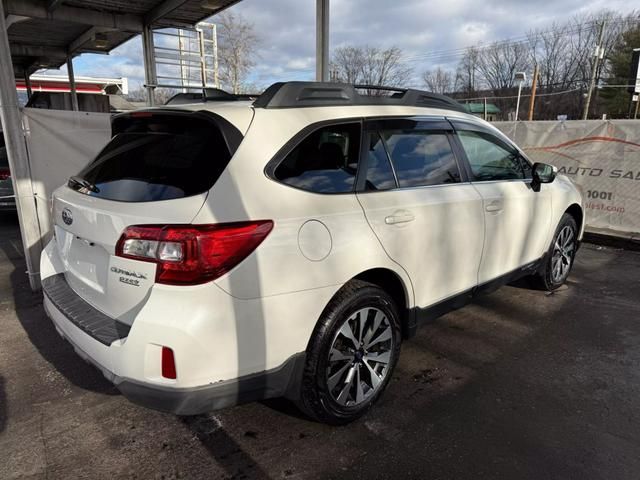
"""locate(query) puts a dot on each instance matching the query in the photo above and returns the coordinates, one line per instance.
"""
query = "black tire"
(547, 278)
(316, 397)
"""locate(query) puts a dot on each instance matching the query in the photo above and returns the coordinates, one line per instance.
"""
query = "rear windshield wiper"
(84, 184)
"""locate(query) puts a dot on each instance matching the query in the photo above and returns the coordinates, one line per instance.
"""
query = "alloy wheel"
(359, 357)
(563, 250)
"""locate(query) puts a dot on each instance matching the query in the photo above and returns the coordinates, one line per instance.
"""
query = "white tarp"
(601, 157)
(60, 143)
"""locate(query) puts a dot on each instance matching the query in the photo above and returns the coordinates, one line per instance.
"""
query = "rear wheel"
(561, 254)
(352, 354)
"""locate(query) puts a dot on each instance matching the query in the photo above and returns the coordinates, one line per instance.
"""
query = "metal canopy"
(44, 33)
(37, 34)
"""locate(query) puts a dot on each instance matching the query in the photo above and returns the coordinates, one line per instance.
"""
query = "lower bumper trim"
(92, 321)
(281, 381)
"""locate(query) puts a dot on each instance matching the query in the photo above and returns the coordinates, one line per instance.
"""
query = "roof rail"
(324, 94)
(208, 95)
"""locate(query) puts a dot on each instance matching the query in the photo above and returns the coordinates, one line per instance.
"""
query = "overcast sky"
(286, 29)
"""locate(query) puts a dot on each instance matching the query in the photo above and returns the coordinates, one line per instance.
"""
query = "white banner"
(601, 157)
(60, 143)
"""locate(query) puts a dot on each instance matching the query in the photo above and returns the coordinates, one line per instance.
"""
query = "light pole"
(520, 77)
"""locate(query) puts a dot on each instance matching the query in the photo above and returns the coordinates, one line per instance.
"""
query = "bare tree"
(370, 65)
(564, 54)
(466, 76)
(552, 51)
(439, 80)
(237, 50)
(499, 63)
(347, 64)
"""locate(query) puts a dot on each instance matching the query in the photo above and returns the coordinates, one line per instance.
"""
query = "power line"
(562, 92)
(516, 96)
(514, 40)
(451, 54)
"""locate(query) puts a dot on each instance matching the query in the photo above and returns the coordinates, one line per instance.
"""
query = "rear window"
(156, 157)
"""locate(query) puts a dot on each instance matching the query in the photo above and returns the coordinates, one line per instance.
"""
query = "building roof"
(478, 108)
(60, 83)
(43, 32)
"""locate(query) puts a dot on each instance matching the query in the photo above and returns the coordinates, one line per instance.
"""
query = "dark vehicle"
(7, 199)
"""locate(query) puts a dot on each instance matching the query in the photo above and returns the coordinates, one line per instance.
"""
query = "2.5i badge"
(129, 277)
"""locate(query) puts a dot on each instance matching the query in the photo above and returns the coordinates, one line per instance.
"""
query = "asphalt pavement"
(518, 385)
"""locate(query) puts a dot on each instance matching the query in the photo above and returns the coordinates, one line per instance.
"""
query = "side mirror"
(543, 173)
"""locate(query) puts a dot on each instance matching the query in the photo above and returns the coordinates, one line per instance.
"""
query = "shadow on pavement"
(34, 321)
(223, 448)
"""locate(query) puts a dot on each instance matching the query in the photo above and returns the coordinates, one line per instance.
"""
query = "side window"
(379, 173)
(325, 161)
(490, 158)
(421, 158)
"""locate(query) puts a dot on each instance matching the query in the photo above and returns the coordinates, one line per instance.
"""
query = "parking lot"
(520, 384)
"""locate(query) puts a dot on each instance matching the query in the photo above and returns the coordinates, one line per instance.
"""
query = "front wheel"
(561, 254)
(352, 354)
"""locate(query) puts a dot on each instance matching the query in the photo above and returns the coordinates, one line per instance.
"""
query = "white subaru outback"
(228, 251)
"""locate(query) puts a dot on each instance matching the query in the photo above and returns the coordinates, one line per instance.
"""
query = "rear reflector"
(4, 173)
(141, 114)
(168, 364)
(192, 254)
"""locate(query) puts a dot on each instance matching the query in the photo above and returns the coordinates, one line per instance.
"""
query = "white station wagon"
(228, 251)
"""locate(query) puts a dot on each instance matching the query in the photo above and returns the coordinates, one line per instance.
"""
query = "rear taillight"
(4, 173)
(192, 254)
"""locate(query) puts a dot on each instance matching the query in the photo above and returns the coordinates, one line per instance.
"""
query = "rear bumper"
(227, 350)
(281, 381)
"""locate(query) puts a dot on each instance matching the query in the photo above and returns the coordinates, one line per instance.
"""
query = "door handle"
(402, 216)
(494, 206)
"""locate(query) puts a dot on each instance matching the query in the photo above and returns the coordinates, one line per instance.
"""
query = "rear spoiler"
(232, 136)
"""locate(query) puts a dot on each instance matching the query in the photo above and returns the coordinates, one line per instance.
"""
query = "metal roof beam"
(162, 10)
(21, 50)
(36, 9)
(84, 38)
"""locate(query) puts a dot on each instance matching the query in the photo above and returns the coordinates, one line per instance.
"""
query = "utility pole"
(534, 86)
(598, 54)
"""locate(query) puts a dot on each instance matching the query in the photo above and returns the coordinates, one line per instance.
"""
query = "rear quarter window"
(325, 161)
(156, 157)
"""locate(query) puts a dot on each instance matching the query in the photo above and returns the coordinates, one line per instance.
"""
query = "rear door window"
(422, 158)
(326, 161)
(156, 157)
